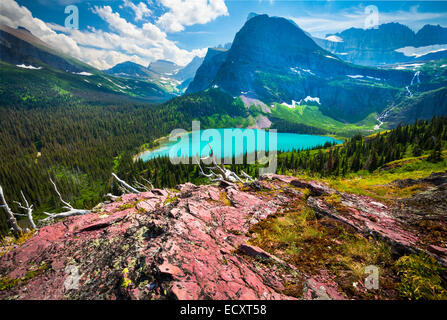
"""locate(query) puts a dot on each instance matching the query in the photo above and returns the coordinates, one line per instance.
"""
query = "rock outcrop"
(191, 243)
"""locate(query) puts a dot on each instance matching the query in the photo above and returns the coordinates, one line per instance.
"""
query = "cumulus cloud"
(14, 15)
(183, 13)
(141, 10)
(124, 41)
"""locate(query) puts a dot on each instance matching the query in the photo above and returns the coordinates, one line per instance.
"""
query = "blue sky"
(113, 31)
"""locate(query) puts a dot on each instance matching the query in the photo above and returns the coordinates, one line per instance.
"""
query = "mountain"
(35, 74)
(207, 71)
(163, 67)
(385, 44)
(21, 47)
(430, 35)
(166, 74)
(130, 69)
(273, 60)
(189, 71)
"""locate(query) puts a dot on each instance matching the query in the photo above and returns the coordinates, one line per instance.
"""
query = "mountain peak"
(251, 15)
(271, 34)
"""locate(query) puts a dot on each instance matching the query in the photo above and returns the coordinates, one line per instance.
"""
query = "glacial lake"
(233, 142)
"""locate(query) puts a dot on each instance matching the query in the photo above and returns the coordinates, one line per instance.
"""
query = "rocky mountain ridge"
(383, 44)
(273, 60)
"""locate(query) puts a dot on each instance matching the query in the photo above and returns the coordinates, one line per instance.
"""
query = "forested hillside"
(79, 144)
(421, 142)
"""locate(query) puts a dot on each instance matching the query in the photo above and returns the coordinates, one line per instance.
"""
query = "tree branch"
(222, 174)
(9, 214)
(125, 185)
(70, 210)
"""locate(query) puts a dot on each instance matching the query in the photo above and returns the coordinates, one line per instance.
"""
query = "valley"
(360, 166)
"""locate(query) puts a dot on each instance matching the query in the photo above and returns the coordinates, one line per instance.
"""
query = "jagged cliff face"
(207, 71)
(377, 46)
(273, 60)
(430, 34)
(198, 242)
(425, 106)
(189, 71)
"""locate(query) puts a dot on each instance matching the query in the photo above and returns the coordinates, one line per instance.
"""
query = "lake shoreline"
(286, 142)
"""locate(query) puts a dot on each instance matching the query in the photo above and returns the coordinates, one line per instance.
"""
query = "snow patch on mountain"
(333, 38)
(298, 70)
(291, 106)
(83, 73)
(312, 99)
(421, 51)
(411, 66)
(356, 76)
(23, 66)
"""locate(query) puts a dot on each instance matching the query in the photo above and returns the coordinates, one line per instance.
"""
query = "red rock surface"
(187, 244)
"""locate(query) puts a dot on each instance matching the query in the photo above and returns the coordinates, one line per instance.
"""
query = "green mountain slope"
(34, 73)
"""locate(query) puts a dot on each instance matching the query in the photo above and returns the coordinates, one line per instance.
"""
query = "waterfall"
(416, 76)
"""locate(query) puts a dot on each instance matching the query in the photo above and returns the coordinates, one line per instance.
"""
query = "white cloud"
(186, 13)
(124, 42)
(14, 15)
(322, 23)
(141, 10)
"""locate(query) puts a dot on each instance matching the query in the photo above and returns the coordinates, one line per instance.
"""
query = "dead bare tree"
(127, 188)
(9, 214)
(28, 209)
(218, 172)
(70, 210)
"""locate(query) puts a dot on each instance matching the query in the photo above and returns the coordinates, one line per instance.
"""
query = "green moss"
(170, 200)
(420, 278)
(128, 206)
(224, 199)
(7, 283)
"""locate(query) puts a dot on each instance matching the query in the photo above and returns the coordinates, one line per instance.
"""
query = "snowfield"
(28, 67)
(421, 51)
(334, 38)
(83, 73)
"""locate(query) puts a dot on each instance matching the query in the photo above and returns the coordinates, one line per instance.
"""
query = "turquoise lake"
(235, 142)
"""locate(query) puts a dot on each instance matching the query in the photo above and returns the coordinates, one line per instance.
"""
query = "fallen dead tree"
(127, 188)
(12, 221)
(218, 172)
(139, 187)
(70, 210)
(28, 209)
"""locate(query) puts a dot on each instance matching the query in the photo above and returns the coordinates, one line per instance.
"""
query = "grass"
(9, 243)
(7, 283)
(312, 116)
(420, 278)
(224, 199)
(377, 184)
(170, 200)
(313, 245)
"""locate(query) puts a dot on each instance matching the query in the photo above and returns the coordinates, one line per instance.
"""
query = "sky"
(142, 31)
